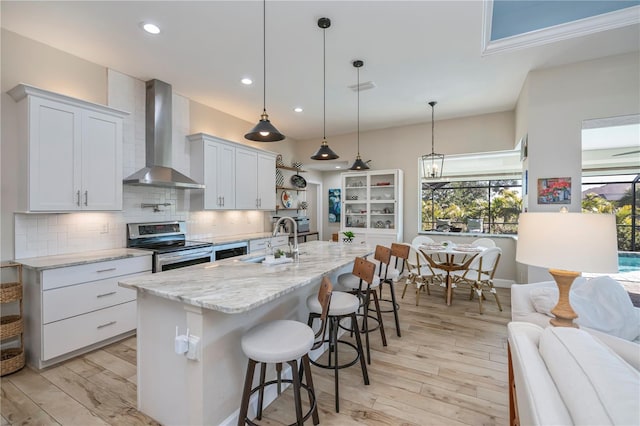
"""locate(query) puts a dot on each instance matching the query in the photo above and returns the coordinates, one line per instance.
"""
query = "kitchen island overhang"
(219, 302)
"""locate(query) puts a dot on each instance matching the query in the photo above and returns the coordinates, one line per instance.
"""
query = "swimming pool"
(628, 261)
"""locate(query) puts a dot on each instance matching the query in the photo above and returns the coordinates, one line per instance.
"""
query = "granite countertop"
(233, 286)
(82, 258)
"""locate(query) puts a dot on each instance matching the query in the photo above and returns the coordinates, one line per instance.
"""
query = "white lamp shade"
(580, 242)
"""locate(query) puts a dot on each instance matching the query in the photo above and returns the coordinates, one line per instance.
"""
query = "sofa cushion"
(601, 304)
(596, 385)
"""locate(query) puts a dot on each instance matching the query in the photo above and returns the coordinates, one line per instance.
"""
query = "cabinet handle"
(222, 201)
(106, 324)
(106, 270)
(78, 198)
(86, 198)
(106, 294)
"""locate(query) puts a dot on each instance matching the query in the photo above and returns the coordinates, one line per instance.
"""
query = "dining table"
(450, 257)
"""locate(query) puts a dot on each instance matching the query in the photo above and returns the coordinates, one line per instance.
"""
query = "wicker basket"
(10, 292)
(10, 325)
(12, 360)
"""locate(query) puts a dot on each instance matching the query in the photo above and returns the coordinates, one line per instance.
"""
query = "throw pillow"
(601, 303)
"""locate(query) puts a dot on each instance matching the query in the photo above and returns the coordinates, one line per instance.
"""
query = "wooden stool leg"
(312, 390)
(246, 393)
(376, 302)
(296, 391)
(363, 364)
(263, 373)
(365, 325)
(395, 308)
(336, 369)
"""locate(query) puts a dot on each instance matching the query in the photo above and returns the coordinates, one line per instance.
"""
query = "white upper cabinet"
(266, 181)
(246, 179)
(72, 151)
(236, 176)
(213, 163)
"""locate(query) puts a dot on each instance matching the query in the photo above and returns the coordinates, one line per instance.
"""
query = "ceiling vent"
(363, 86)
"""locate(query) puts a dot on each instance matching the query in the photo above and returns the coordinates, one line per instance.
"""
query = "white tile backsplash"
(64, 233)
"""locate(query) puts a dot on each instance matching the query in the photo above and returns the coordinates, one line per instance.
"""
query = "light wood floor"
(448, 368)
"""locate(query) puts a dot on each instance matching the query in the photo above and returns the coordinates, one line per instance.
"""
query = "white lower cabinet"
(261, 244)
(75, 309)
(65, 336)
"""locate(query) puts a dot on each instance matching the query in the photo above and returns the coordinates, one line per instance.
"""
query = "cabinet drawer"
(60, 277)
(256, 245)
(74, 333)
(261, 244)
(70, 301)
(279, 241)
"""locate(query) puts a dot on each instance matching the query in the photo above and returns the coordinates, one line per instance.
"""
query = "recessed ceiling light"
(338, 167)
(246, 81)
(151, 28)
(297, 109)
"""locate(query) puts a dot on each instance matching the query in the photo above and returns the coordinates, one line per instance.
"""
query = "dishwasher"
(225, 251)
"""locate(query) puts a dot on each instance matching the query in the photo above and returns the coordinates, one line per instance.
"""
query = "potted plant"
(348, 236)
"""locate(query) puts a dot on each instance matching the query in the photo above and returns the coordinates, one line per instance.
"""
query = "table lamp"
(568, 244)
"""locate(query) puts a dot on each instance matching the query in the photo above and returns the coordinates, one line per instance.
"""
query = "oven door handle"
(166, 259)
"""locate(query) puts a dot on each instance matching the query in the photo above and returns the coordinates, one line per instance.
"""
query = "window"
(490, 206)
(617, 194)
(472, 198)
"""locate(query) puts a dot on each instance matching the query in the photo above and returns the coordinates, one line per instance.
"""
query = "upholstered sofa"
(566, 376)
(603, 307)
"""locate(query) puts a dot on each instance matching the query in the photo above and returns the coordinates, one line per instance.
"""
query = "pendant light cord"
(324, 84)
(264, 56)
(432, 130)
(358, 111)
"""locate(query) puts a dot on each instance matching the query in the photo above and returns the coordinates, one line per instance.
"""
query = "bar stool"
(343, 305)
(281, 341)
(354, 283)
(391, 275)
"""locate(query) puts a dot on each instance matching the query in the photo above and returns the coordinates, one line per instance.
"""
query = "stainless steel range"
(170, 248)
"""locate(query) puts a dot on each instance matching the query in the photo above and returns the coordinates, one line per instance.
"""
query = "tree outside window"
(615, 195)
(497, 202)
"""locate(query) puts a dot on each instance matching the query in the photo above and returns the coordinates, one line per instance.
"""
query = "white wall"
(554, 105)
(400, 148)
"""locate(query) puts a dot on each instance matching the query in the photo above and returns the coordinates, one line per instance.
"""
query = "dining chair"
(483, 242)
(422, 239)
(480, 274)
(421, 274)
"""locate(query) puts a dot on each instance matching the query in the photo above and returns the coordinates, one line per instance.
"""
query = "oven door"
(180, 259)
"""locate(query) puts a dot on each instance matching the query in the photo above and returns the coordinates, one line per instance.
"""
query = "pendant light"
(433, 163)
(324, 152)
(264, 131)
(358, 164)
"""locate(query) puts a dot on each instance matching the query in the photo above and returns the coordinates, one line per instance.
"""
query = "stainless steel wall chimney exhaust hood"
(158, 171)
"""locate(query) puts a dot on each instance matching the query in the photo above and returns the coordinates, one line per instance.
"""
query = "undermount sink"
(259, 259)
(254, 259)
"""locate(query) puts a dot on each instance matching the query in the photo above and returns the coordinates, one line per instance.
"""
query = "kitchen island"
(218, 302)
